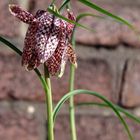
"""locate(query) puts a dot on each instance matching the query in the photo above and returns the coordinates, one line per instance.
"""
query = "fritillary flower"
(47, 40)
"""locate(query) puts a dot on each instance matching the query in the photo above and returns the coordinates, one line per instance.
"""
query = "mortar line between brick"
(84, 111)
(123, 80)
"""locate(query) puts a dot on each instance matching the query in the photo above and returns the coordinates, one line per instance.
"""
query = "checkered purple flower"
(47, 40)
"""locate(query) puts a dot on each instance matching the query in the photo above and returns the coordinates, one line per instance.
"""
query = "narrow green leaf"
(64, 4)
(70, 21)
(103, 11)
(10, 45)
(81, 91)
(120, 109)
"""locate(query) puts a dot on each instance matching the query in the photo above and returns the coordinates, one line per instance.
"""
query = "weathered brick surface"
(131, 89)
(96, 128)
(17, 124)
(14, 127)
(95, 75)
(15, 82)
(17, 121)
(9, 26)
(109, 32)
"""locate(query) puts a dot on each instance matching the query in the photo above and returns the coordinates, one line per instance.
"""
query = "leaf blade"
(10, 45)
(81, 91)
(105, 12)
(120, 109)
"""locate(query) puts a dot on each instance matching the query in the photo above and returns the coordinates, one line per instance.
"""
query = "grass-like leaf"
(120, 109)
(103, 11)
(81, 91)
(10, 45)
(64, 4)
(70, 21)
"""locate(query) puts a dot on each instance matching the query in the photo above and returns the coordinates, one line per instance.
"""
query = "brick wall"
(108, 63)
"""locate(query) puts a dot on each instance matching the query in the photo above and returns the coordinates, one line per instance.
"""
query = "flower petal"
(71, 55)
(30, 56)
(67, 54)
(21, 14)
(71, 15)
(70, 26)
(54, 62)
(36, 39)
(63, 63)
(53, 39)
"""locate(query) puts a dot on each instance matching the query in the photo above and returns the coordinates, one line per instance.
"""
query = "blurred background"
(108, 63)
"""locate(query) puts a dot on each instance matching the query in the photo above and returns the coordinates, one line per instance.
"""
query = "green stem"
(49, 105)
(71, 100)
(71, 105)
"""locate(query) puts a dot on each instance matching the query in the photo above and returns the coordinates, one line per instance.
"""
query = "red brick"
(9, 26)
(15, 82)
(16, 126)
(96, 128)
(131, 89)
(108, 32)
(95, 75)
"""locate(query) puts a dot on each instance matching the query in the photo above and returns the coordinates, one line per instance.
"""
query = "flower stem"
(71, 100)
(71, 105)
(49, 105)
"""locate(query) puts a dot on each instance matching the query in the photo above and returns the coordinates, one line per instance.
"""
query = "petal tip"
(27, 67)
(75, 65)
(13, 8)
(60, 75)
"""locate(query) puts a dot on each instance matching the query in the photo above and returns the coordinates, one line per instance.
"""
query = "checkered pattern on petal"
(47, 40)
(55, 60)
(21, 14)
(36, 39)
(30, 55)
(53, 39)
(71, 55)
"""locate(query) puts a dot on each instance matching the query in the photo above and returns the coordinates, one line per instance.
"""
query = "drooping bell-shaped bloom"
(47, 40)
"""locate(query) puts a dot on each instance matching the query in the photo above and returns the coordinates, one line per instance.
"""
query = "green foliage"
(81, 91)
(105, 12)
(52, 114)
(120, 109)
